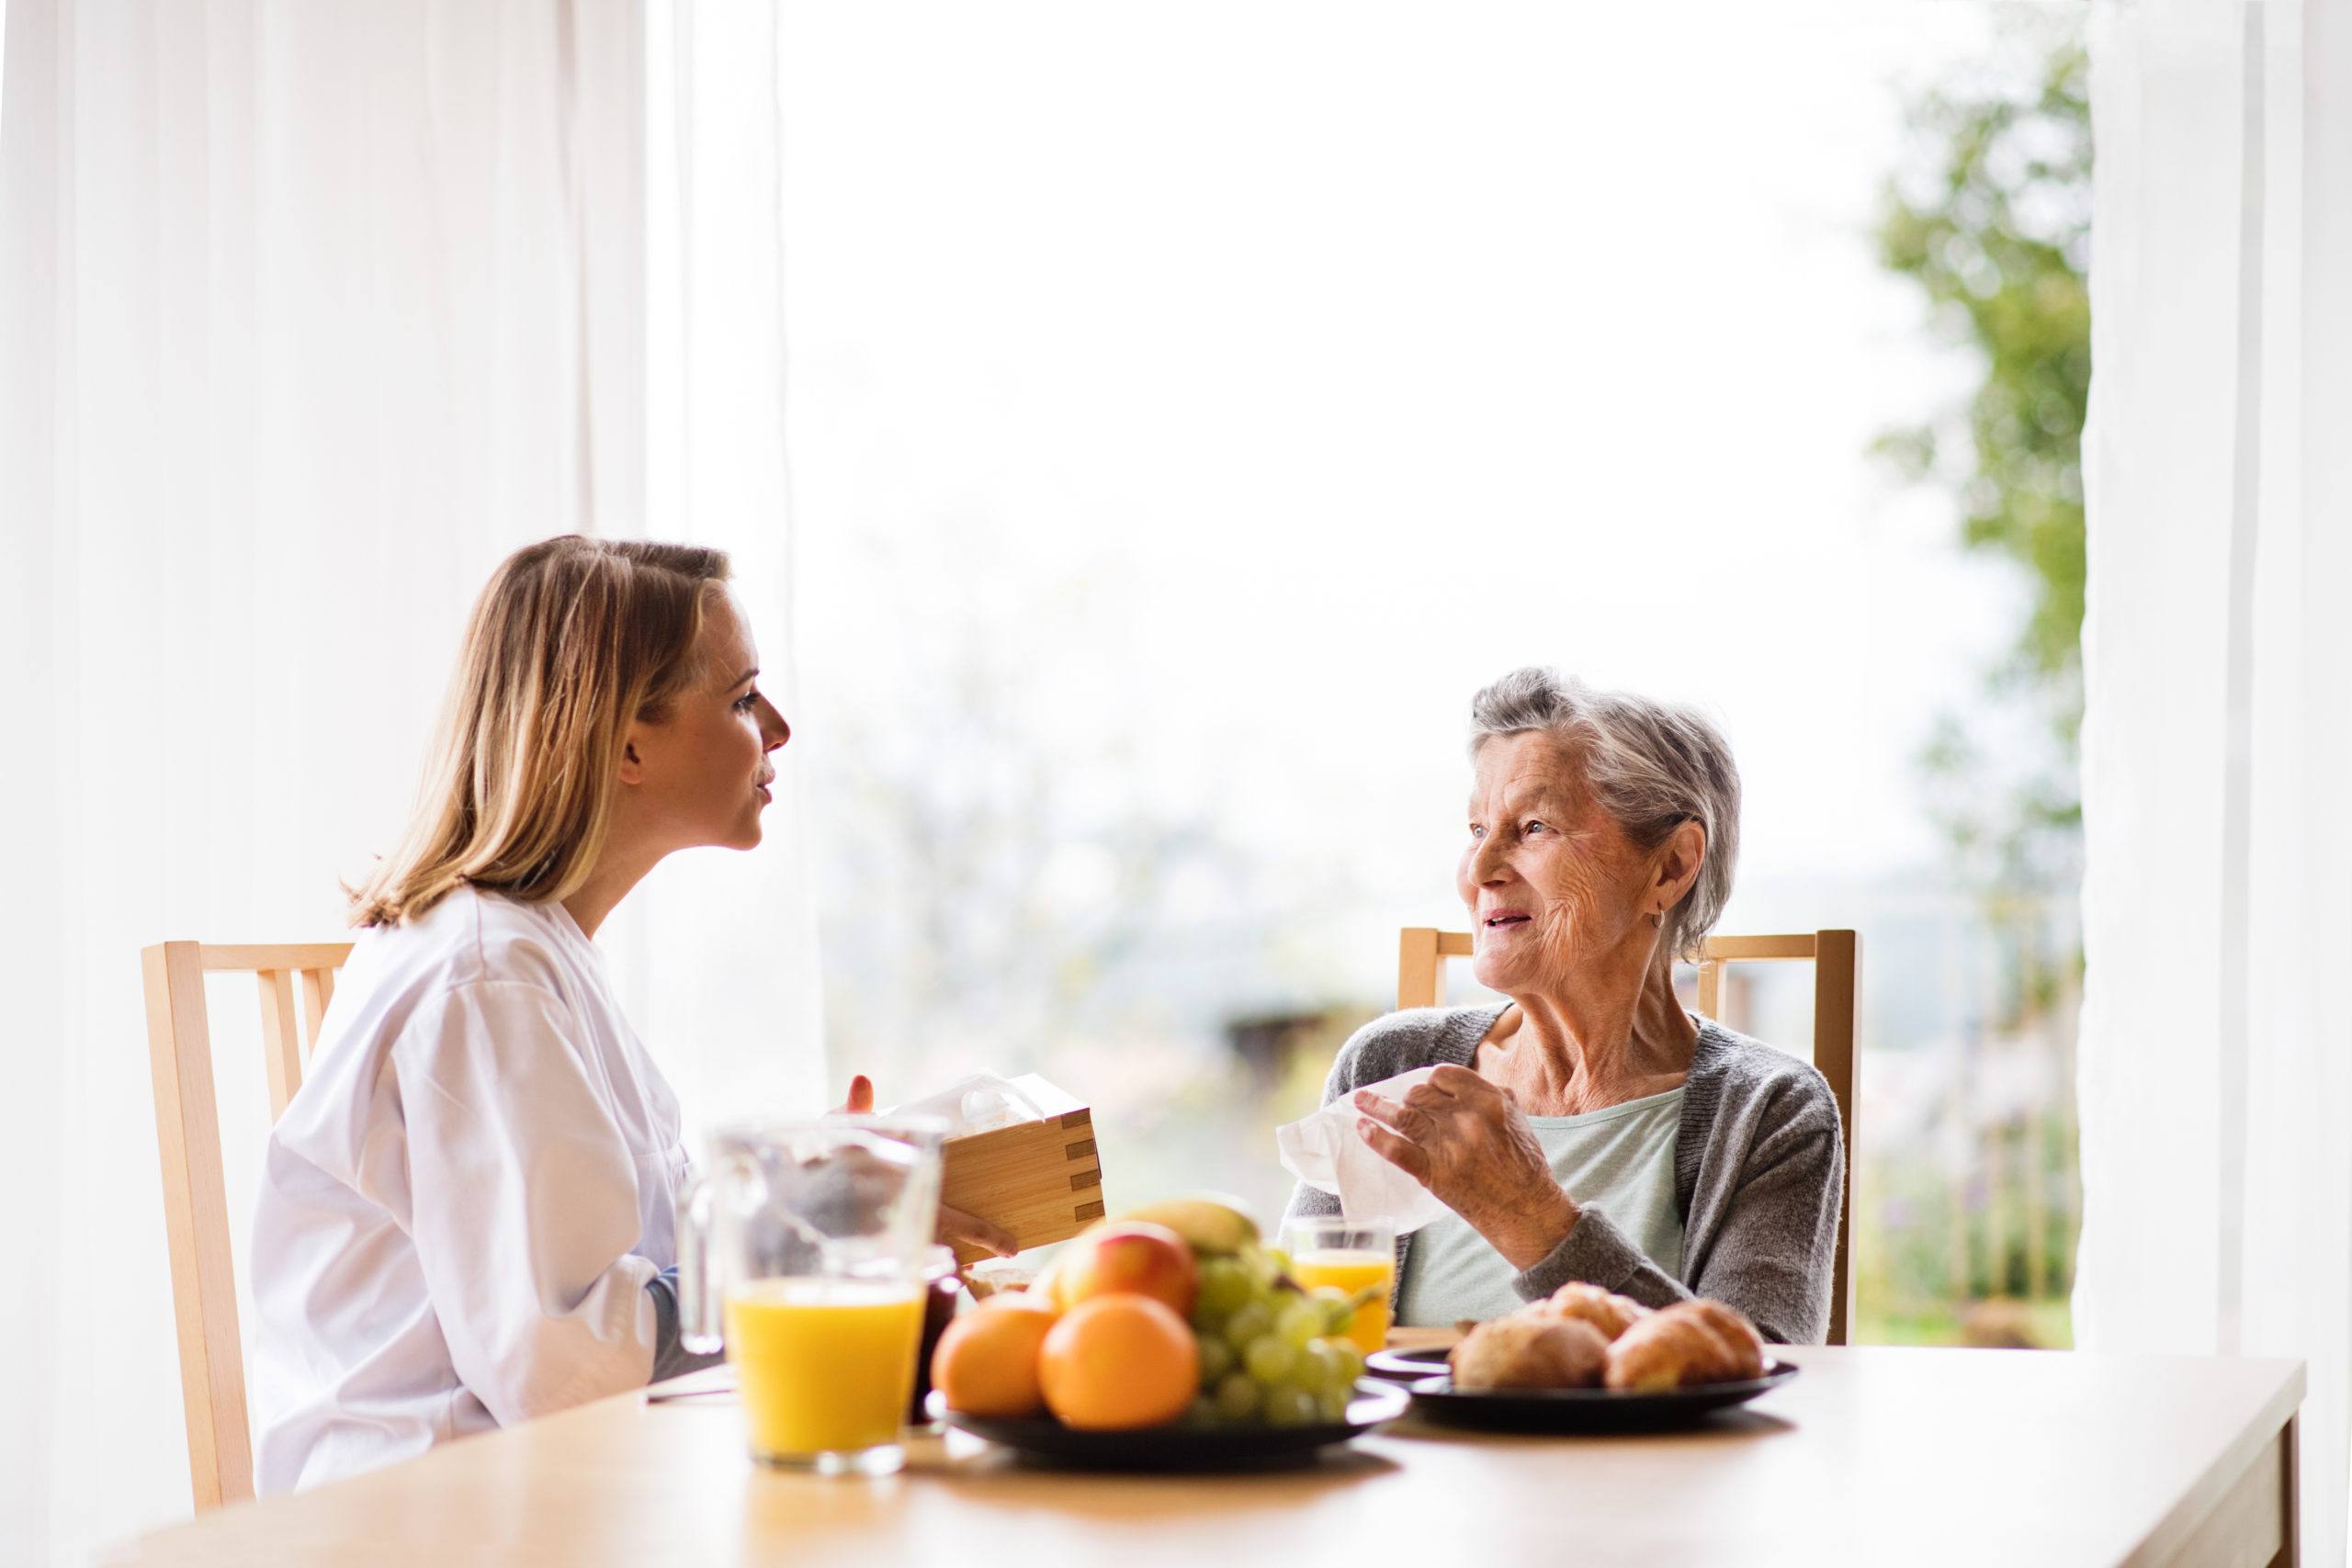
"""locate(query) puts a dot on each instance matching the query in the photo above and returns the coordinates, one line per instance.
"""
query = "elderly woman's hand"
(1466, 1140)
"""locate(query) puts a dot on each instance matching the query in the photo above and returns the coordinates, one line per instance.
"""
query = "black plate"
(1185, 1448)
(1586, 1409)
(1406, 1366)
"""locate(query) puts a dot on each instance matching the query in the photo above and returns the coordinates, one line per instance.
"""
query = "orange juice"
(1351, 1271)
(824, 1365)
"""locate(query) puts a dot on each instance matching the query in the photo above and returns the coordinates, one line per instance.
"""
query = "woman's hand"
(1468, 1143)
(956, 1228)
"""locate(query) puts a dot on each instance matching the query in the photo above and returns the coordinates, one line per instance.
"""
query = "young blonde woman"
(468, 1213)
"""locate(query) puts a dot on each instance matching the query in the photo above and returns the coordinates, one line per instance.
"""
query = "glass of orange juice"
(1350, 1255)
(804, 1249)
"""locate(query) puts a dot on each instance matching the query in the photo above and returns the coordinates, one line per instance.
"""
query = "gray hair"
(1651, 765)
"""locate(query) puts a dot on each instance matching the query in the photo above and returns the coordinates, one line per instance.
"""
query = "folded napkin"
(1326, 1152)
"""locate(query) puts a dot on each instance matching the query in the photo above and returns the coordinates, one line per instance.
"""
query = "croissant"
(1530, 1350)
(1610, 1313)
(1688, 1343)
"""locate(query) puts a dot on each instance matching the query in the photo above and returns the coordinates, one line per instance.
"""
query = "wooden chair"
(1836, 960)
(196, 1203)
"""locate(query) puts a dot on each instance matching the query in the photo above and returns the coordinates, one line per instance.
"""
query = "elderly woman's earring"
(1657, 919)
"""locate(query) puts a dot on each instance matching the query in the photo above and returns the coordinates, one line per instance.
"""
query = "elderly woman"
(1592, 1129)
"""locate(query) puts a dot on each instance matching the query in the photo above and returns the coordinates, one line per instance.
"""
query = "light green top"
(1619, 1160)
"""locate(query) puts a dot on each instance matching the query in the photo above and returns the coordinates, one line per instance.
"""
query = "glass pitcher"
(802, 1249)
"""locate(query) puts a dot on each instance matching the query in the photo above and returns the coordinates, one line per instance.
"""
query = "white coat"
(461, 1208)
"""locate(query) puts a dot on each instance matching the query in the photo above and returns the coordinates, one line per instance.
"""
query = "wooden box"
(1041, 1180)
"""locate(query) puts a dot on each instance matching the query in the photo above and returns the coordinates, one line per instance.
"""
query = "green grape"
(1338, 1308)
(1236, 1398)
(1299, 1321)
(1247, 1323)
(1216, 1359)
(1318, 1367)
(1314, 1397)
(1350, 1360)
(1332, 1405)
(1225, 1285)
(1270, 1359)
(1292, 1407)
(1279, 1258)
(1200, 1413)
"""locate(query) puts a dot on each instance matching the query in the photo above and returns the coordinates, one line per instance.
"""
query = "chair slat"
(317, 991)
(281, 1043)
(218, 956)
(1760, 948)
(1421, 971)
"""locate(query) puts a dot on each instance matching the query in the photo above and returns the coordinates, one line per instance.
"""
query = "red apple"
(1135, 1256)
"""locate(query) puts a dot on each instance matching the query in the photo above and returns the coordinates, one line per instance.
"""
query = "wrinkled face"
(1552, 883)
(703, 770)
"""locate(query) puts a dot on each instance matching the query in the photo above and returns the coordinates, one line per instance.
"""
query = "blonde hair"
(571, 639)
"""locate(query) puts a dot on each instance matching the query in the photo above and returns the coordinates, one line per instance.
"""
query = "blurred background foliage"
(1993, 227)
(1968, 1233)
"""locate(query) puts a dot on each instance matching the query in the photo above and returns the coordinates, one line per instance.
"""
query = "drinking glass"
(803, 1250)
(1351, 1255)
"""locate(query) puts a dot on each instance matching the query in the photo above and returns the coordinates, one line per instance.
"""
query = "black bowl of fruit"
(1185, 1448)
(1168, 1339)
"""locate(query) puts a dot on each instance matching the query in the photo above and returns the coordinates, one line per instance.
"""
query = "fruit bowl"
(1188, 1449)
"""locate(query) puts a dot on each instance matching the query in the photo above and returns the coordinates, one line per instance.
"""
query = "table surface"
(1870, 1455)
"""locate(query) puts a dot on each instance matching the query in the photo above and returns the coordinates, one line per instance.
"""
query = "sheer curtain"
(2216, 1057)
(307, 315)
(717, 953)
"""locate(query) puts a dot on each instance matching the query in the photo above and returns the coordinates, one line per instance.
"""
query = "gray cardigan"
(1758, 1168)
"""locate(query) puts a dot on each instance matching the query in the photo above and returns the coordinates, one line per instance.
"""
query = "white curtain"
(309, 314)
(2216, 1055)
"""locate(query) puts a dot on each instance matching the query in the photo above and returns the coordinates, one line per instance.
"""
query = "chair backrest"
(1836, 960)
(195, 1200)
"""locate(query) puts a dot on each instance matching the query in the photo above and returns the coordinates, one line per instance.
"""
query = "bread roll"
(1610, 1313)
(1746, 1345)
(1684, 1345)
(1530, 1350)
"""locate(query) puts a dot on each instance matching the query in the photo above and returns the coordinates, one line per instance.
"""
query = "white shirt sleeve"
(523, 1204)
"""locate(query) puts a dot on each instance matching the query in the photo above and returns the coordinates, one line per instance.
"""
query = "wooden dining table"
(1873, 1455)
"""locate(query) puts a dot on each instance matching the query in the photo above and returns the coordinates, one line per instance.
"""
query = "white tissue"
(1326, 1152)
(984, 1102)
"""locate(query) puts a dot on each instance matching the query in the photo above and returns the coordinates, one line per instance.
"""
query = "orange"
(987, 1360)
(1119, 1360)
